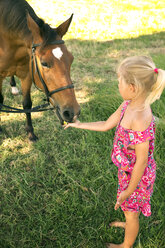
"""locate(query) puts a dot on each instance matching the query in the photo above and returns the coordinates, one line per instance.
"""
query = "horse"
(35, 52)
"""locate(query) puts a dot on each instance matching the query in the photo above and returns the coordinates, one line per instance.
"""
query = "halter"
(33, 59)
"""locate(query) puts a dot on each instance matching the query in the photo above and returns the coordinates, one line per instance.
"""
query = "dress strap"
(125, 104)
(137, 137)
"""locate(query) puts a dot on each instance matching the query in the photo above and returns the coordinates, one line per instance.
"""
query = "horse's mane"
(13, 18)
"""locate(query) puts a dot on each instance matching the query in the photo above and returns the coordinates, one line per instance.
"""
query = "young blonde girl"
(140, 84)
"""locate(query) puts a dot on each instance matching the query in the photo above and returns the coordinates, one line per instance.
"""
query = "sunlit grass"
(104, 20)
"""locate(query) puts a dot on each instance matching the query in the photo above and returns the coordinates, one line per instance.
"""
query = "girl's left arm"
(141, 151)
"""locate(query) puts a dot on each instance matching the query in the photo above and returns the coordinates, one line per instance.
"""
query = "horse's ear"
(34, 28)
(63, 28)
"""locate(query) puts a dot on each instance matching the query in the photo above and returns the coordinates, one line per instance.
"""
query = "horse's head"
(52, 60)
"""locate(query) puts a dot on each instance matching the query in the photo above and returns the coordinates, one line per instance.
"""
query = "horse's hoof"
(32, 137)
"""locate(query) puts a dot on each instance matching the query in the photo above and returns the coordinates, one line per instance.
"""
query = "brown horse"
(33, 51)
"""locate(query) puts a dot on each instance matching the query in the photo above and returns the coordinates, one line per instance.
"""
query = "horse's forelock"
(48, 34)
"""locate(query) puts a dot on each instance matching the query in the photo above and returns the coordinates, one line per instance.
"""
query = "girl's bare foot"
(114, 246)
(117, 224)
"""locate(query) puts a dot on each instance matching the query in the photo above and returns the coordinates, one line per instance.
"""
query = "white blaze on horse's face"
(57, 52)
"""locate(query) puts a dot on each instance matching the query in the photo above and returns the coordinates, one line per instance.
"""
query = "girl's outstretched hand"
(74, 124)
(122, 197)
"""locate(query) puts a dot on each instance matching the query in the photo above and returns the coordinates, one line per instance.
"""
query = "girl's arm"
(103, 126)
(141, 151)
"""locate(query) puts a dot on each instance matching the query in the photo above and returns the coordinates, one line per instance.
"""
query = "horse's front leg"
(27, 104)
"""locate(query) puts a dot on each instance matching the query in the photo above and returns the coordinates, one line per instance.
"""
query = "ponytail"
(157, 87)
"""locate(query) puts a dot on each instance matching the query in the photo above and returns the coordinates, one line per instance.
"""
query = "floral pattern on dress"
(125, 159)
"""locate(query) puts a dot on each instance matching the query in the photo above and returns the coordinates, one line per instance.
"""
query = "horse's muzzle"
(67, 114)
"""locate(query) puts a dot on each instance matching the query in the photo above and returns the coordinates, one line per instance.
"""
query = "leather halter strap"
(34, 60)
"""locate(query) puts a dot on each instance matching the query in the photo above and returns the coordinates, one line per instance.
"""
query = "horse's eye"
(45, 64)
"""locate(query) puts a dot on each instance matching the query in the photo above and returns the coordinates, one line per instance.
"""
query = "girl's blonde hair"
(142, 72)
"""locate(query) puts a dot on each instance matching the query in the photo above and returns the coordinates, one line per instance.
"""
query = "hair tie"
(156, 70)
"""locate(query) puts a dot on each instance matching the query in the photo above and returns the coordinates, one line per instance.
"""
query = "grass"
(60, 191)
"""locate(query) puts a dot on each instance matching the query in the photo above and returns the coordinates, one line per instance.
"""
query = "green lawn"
(60, 191)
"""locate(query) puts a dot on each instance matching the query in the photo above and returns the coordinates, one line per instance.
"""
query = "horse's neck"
(12, 41)
(14, 53)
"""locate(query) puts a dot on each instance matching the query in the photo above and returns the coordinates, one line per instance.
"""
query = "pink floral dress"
(125, 158)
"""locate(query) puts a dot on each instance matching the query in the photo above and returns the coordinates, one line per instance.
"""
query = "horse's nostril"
(68, 114)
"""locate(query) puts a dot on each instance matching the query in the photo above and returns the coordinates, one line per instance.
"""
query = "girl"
(140, 84)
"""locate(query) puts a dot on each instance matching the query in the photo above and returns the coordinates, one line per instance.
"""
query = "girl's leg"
(131, 230)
